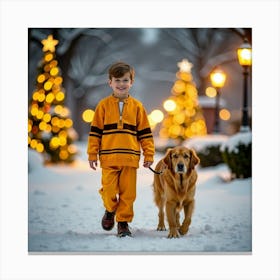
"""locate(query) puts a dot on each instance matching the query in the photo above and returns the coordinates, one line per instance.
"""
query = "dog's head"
(181, 159)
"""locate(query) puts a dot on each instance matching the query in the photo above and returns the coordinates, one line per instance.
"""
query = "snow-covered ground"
(65, 211)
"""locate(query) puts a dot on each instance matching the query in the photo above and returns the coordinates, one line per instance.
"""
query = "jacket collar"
(116, 99)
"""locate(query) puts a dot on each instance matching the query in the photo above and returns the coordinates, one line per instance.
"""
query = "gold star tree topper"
(49, 44)
(185, 66)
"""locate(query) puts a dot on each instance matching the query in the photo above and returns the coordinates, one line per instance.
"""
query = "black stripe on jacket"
(144, 133)
(115, 126)
(96, 130)
(119, 151)
(127, 129)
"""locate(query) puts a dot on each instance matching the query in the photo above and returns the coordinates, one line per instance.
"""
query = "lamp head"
(244, 53)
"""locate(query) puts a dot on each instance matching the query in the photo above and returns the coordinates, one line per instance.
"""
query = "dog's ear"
(167, 159)
(194, 159)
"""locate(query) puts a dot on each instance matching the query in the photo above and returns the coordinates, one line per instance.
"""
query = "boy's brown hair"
(118, 69)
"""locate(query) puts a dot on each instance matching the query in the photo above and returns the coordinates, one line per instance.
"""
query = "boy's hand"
(93, 164)
(147, 164)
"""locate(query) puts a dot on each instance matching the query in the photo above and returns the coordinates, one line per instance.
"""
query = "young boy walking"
(120, 128)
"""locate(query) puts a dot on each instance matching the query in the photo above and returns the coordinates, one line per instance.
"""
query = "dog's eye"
(175, 156)
(186, 156)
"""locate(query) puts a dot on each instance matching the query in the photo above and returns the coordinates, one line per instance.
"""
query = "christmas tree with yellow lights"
(50, 130)
(184, 116)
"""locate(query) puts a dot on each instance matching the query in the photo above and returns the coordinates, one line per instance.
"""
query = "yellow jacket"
(117, 136)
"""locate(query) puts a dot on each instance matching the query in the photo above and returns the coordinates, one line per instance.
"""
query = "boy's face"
(121, 85)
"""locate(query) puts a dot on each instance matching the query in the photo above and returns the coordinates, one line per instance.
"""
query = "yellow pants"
(119, 191)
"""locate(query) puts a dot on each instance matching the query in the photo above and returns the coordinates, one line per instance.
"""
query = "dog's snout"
(180, 166)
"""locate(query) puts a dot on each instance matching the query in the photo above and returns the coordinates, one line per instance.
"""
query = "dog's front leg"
(178, 219)
(171, 217)
(188, 210)
(161, 225)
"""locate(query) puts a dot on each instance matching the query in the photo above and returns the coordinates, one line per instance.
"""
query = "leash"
(156, 172)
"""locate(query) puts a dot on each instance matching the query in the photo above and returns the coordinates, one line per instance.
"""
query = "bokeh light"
(169, 105)
(157, 116)
(211, 92)
(224, 114)
(88, 115)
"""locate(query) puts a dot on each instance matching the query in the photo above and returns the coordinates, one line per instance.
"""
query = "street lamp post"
(244, 54)
(218, 78)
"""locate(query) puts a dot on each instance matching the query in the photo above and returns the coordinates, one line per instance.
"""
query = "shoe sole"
(124, 234)
(107, 229)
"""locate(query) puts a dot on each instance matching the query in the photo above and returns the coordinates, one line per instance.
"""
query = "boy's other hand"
(93, 164)
(147, 164)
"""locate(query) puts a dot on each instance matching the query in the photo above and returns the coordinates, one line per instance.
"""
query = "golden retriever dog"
(174, 189)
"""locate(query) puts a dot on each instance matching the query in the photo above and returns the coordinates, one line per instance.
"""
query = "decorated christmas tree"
(184, 116)
(50, 130)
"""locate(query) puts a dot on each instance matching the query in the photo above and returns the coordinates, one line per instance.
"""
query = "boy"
(119, 128)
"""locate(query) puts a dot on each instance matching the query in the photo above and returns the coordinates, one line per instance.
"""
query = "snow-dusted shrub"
(35, 160)
(237, 154)
(163, 144)
(207, 148)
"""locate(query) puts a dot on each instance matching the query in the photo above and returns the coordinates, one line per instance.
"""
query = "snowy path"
(65, 211)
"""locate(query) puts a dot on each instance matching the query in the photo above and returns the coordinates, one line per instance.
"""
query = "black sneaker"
(123, 229)
(108, 220)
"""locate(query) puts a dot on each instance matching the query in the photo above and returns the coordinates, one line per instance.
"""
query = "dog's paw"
(183, 230)
(173, 233)
(161, 228)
